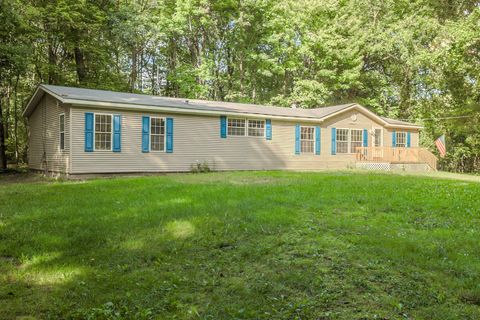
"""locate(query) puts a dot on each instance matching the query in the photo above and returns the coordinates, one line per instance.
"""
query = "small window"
(236, 127)
(356, 137)
(62, 131)
(157, 134)
(103, 132)
(307, 139)
(256, 128)
(401, 139)
(342, 140)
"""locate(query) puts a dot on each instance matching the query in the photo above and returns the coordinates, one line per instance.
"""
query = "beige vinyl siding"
(197, 138)
(363, 121)
(414, 136)
(44, 136)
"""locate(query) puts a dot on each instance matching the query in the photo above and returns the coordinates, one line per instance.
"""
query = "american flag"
(440, 143)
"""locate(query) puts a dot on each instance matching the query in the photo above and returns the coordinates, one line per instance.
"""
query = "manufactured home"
(84, 131)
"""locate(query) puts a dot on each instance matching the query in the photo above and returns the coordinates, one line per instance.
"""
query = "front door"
(377, 143)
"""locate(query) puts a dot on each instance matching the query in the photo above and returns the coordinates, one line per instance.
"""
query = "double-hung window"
(401, 139)
(342, 140)
(62, 131)
(307, 139)
(103, 132)
(157, 134)
(236, 127)
(348, 140)
(256, 128)
(246, 127)
(356, 139)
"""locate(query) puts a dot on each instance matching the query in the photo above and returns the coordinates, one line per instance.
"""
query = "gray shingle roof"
(72, 95)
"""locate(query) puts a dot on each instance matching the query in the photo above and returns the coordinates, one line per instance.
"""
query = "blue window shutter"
(394, 139)
(145, 134)
(117, 127)
(223, 126)
(334, 141)
(317, 140)
(88, 132)
(268, 129)
(409, 140)
(169, 135)
(365, 137)
(297, 139)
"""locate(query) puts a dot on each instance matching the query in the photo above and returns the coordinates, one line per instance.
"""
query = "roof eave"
(37, 95)
(403, 126)
(136, 107)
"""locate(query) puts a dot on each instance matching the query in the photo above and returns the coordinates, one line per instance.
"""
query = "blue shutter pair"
(146, 134)
(394, 139)
(117, 128)
(297, 139)
(334, 140)
(223, 128)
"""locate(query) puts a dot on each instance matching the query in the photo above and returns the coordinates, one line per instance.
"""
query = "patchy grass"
(269, 245)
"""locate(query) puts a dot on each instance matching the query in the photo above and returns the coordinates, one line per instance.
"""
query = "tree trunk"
(52, 64)
(3, 156)
(15, 132)
(80, 64)
(6, 118)
(133, 71)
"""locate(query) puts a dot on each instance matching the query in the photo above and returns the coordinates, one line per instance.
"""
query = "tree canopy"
(413, 60)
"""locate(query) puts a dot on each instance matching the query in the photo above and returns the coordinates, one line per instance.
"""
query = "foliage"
(200, 167)
(266, 245)
(414, 60)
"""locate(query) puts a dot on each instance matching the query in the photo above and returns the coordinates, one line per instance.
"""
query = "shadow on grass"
(216, 246)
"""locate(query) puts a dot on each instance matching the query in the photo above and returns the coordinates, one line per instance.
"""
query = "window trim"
(396, 139)
(381, 137)
(60, 132)
(247, 120)
(349, 140)
(95, 130)
(264, 128)
(336, 140)
(150, 135)
(313, 149)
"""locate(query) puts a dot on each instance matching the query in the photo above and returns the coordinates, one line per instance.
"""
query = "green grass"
(268, 245)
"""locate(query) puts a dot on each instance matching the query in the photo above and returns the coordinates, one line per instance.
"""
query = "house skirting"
(389, 166)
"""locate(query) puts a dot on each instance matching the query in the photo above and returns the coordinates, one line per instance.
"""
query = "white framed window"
(356, 139)
(401, 139)
(307, 139)
(348, 140)
(61, 130)
(377, 137)
(236, 127)
(157, 134)
(246, 127)
(103, 131)
(342, 140)
(256, 128)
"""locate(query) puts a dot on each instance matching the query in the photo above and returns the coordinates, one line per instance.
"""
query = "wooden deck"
(396, 155)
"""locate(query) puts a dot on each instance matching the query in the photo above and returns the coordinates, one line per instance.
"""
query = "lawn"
(252, 245)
